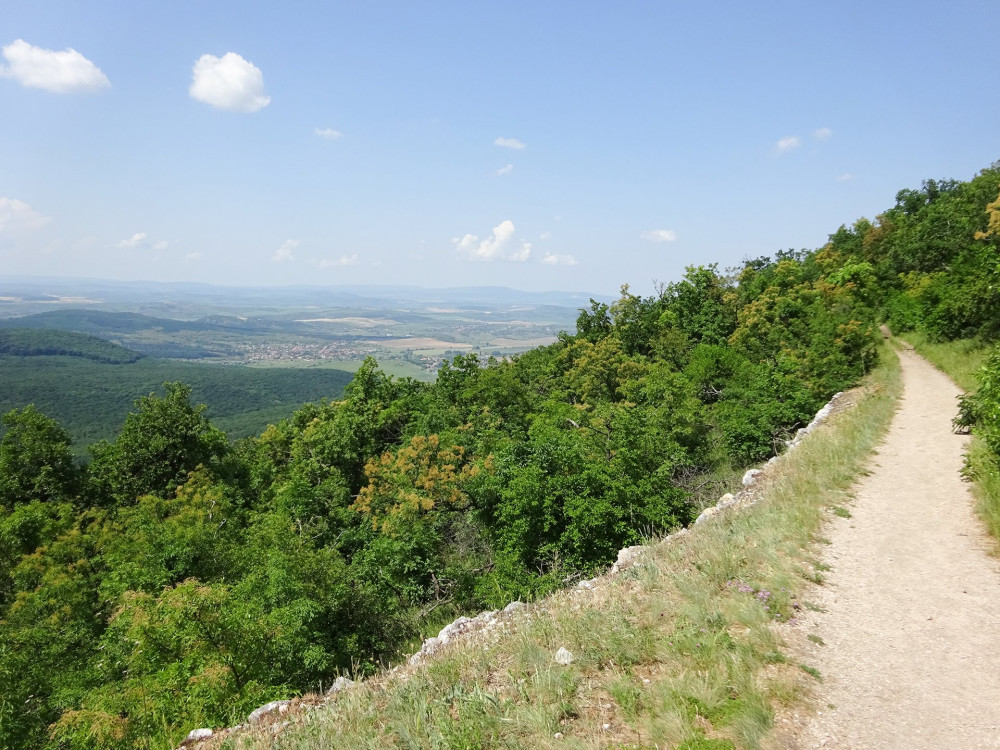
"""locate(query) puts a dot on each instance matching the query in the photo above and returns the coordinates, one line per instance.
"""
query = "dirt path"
(911, 625)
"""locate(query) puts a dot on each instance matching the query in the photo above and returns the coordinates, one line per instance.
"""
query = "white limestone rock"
(341, 683)
(627, 558)
(267, 709)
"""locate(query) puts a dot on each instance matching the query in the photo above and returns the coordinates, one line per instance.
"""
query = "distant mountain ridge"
(159, 296)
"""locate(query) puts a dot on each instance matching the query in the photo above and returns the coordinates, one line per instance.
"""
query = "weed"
(812, 672)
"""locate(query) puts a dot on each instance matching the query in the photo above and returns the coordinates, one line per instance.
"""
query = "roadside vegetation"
(180, 580)
(678, 652)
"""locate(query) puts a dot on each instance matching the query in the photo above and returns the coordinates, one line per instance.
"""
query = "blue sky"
(541, 145)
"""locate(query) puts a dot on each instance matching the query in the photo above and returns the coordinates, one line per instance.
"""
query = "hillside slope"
(90, 396)
(678, 651)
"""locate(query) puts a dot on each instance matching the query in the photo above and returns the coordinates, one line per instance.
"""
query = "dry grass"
(679, 652)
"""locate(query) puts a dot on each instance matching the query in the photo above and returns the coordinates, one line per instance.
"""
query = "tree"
(160, 443)
(35, 459)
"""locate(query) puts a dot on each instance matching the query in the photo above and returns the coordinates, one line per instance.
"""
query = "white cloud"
(18, 216)
(328, 133)
(193, 257)
(343, 260)
(660, 235)
(134, 241)
(285, 252)
(845, 177)
(509, 143)
(141, 240)
(544, 235)
(228, 82)
(500, 245)
(822, 134)
(505, 170)
(65, 72)
(558, 259)
(787, 143)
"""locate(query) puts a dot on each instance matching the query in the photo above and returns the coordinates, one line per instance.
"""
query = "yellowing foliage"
(993, 230)
(417, 478)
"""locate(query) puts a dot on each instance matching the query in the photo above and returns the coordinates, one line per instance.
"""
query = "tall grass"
(961, 360)
(678, 652)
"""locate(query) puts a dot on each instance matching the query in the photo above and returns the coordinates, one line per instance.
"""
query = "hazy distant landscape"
(408, 329)
(82, 350)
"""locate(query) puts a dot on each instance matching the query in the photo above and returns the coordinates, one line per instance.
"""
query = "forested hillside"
(180, 580)
(88, 384)
(32, 343)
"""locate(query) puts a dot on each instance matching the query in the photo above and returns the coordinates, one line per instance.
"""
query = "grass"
(679, 652)
(961, 360)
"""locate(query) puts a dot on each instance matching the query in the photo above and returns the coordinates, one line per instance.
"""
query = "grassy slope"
(680, 652)
(961, 361)
(91, 399)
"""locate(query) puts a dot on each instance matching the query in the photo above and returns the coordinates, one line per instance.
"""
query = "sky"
(575, 146)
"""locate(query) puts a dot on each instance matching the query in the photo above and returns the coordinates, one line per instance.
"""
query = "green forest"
(180, 579)
(88, 384)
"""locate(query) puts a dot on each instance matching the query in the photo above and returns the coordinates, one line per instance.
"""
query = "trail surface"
(911, 620)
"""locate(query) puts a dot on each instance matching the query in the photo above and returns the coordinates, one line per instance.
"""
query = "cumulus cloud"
(328, 133)
(66, 72)
(788, 143)
(343, 260)
(505, 170)
(845, 177)
(509, 143)
(659, 235)
(18, 216)
(140, 240)
(500, 245)
(285, 252)
(545, 235)
(559, 259)
(822, 134)
(134, 241)
(228, 82)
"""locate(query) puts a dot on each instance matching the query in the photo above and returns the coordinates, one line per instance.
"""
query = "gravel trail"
(911, 620)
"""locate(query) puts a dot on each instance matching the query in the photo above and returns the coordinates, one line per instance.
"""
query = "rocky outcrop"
(267, 709)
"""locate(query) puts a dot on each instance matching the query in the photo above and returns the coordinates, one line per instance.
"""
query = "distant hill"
(91, 397)
(101, 322)
(24, 342)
